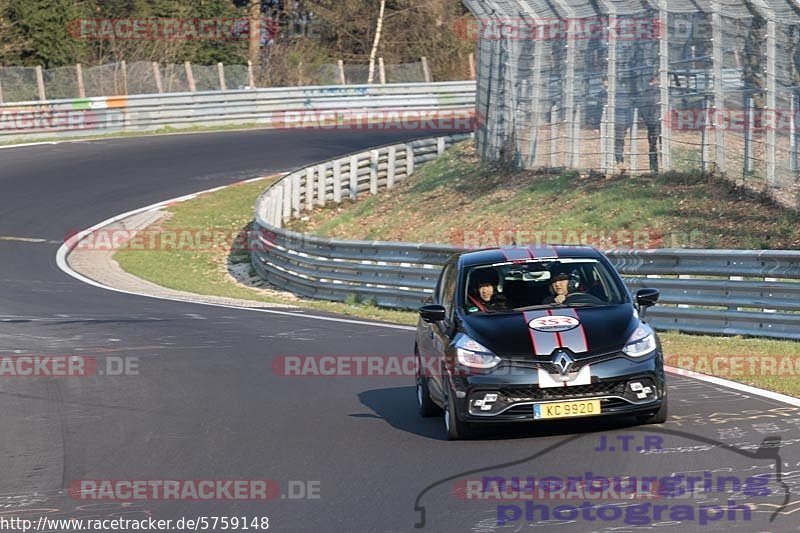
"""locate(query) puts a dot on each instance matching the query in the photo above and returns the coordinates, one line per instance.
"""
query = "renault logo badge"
(563, 361)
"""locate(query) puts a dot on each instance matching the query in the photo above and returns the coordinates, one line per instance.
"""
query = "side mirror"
(647, 297)
(432, 313)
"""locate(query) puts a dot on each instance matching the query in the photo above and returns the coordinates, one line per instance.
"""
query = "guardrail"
(298, 107)
(729, 292)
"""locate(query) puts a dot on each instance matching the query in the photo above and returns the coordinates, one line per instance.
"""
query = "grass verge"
(204, 271)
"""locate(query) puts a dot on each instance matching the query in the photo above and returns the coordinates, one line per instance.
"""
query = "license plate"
(542, 411)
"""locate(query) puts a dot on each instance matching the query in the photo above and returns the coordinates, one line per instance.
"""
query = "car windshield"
(531, 284)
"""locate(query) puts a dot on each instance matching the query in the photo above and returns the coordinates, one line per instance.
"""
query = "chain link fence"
(25, 84)
(640, 86)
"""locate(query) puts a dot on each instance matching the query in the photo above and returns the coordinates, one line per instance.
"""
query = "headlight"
(473, 354)
(642, 342)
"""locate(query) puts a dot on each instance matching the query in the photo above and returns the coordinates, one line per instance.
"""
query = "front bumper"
(623, 385)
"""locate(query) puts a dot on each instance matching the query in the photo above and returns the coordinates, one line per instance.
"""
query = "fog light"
(642, 391)
(486, 402)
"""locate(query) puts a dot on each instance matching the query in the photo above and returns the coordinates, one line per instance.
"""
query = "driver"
(484, 295)
(559, 289)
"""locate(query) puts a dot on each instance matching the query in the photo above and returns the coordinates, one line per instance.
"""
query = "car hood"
(598, 330)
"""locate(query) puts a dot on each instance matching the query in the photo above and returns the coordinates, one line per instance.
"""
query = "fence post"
(288, 198)
(322, 172)
(124, 69)
(310, 188)
(635, 140)
(382, 70)
(221, 72)
(337, 181)
(748, 136)
(353, 177)
(440, 145)
(554, 136)
(157, 76)
(342, 78)
(604, 141)
(611, 116)
(296, 195)
(40, 83)
(772, 123)
(719, 93)
(704, 141)
(251, 79)
(189, 76)
(79, 77)
(409, 160)
(472, 74)
(663, 80)
(425, 70)
(576, 136)
(373, 171)
(1, 94)
(792, 131)
(390, 171)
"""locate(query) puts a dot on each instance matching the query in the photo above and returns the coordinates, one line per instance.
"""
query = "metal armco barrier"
(322, 107)
(728, 292)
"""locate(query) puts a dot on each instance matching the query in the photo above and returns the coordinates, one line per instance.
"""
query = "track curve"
(207, 405)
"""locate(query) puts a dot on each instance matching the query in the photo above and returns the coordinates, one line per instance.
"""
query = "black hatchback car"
(529, 334)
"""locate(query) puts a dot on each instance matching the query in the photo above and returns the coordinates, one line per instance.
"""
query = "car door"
(440, 333)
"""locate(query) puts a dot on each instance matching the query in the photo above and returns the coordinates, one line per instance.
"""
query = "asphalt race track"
(207, 405)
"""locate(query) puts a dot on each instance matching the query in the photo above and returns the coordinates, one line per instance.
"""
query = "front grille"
(544, 362)
(518, 394)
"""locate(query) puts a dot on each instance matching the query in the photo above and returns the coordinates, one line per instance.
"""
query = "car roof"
(521, 253)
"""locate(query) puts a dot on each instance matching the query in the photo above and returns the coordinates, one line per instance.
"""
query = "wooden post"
(40, 83)
(251, 79)
(472, 72)
(425, 70)
(79, 77)
(124, 69)
(1, 93)
(157, 76)
(189, 76)
(382, 71)
(409, 160)
(342, 78)
(221, 72)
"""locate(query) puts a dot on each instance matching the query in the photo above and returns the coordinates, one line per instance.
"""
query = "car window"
(449, 289)
(515, 286)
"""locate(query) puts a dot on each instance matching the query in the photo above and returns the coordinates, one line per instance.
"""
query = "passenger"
(484, 295)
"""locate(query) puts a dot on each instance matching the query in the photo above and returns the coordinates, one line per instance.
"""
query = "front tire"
(456, 429)
(659, 417)
(426, 406)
